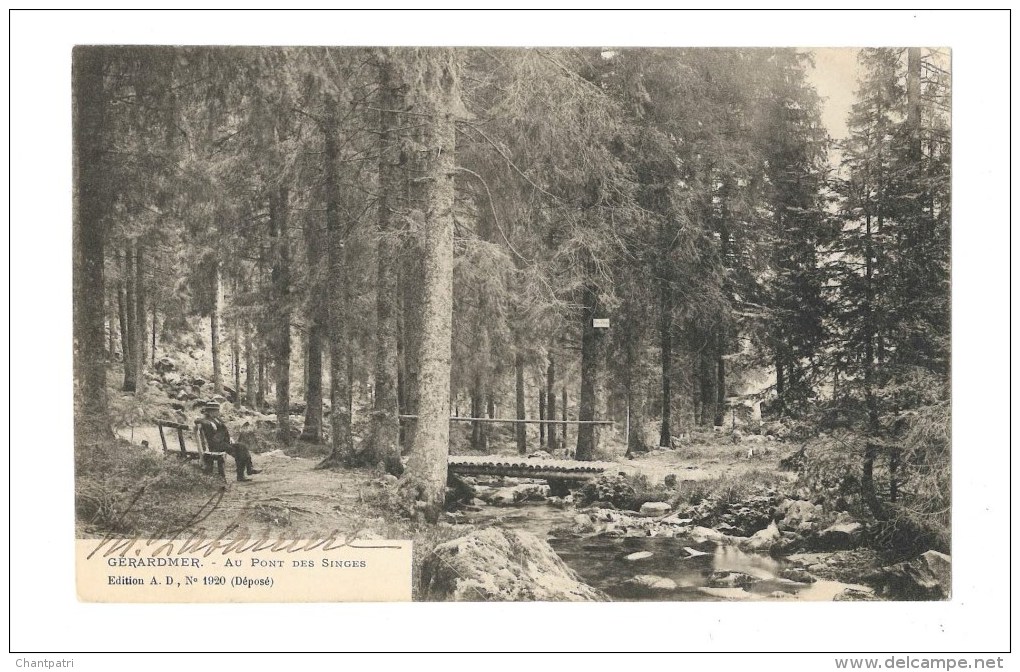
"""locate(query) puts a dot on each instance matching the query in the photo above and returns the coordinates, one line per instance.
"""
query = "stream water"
(693, 571)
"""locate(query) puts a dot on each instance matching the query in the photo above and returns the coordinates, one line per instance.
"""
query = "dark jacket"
(217, 436)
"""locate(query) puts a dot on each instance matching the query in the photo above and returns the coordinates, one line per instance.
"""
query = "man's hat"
(210, 406)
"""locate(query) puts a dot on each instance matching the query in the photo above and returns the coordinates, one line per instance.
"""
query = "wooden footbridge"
(559, 473)
(527, 467)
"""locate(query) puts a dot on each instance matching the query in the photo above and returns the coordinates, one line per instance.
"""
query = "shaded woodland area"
(431, 231)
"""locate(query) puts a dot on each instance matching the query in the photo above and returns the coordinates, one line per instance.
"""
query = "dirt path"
(290, 498)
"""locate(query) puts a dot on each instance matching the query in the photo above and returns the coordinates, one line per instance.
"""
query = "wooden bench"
(207, 458)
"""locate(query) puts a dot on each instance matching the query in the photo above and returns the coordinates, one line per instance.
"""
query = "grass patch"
(124, 489)
(729, 490)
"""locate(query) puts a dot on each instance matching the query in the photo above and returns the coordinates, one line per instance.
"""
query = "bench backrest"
(179, 429)
(176, 427)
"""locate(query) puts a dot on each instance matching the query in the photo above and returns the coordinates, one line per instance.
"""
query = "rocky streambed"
(768, 546)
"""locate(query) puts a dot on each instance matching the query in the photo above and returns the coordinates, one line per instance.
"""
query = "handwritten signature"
(191, 538)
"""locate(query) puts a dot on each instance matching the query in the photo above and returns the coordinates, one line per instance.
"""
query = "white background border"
(45, 615)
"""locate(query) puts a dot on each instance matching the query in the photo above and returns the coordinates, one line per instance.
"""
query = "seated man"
(217, 439)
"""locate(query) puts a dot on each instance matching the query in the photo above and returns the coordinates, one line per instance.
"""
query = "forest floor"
(127, 488)
(291, 497)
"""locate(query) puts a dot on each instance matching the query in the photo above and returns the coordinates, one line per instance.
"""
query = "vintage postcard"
(511, 324)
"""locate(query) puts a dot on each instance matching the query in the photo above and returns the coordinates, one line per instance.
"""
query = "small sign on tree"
(600, 323)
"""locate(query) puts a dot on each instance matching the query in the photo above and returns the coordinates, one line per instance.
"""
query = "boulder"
(640, 555)
(165, 364)
(798, 574)
(941, 566)
(505, 565)
(702, 534)
(763, 540)
(655, 509)
(677, 519)
(731, 580)
(651, 583)
(508, 496)
(799, 515)
(693, 552)
(841, 535)
(926, 577)
(853, 594)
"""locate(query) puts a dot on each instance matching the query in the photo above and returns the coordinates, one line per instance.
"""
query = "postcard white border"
(46, 615)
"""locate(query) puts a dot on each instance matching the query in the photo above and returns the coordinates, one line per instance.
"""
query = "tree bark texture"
(666, 360)
(384, 434)
(542, 418)
(141, 310)
(250, 367)
(89, 232)
(279, 207)
(130, 303)
(312, 430)
(587, 435)
(720, 386)
(216, 327)
(520, 429)
(550, 400)
(426, 477)
(338, 311)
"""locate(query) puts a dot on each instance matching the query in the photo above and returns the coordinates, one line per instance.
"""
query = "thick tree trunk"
(250, 367)
(125, 336)
(587, 435)
(130, 303)
(707, 378)
(696, 392)
(550, 400)
(313, 387)
(279, 207)
(90, 207)
(312, 430)
(542, 418)
(260, 400)
(479, 432)
(142, 311)
(425, 479)
(384, 435)
(402, 384)
(635, 406)
(338, 310)
(563, 410)
(720, 385)
(666, 361)
(155, 328)
(410, 291)
(235, 352)
(110, 346)
(520, 429)
(216, 327)
(490, 409)
(868, 490)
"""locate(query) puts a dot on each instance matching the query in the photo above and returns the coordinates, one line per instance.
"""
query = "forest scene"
(584, 324)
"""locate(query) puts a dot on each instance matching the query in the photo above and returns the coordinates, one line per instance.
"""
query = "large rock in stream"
(503, 566)
(926, 577)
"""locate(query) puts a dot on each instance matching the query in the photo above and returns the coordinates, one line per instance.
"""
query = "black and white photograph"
(356, 322)
(583, 324)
